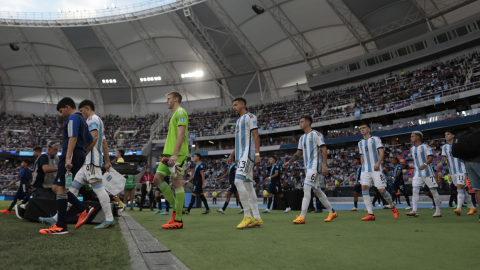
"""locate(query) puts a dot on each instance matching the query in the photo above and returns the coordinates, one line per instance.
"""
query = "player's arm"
(91, 144)
(223, 176)
(203, 179)
(381, 154)
(443, 161)
(13, 182)
(429, 160)
(72, 141)
(295, 156)
(257, 145)
(398, 174)
(48, 169)
(106, 157)
(181, 135)
(324, 159)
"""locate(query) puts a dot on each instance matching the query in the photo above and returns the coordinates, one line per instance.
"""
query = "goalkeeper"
(176, 150)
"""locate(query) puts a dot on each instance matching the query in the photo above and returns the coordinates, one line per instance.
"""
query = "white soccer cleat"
(241, 211)
(408, 208)
(267, 211)
(433, 207)
(437, 215)
(288, 210)
(220, 211)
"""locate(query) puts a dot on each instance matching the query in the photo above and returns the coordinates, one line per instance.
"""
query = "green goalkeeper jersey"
(179, 118)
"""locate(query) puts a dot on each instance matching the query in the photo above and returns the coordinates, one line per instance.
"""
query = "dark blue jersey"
(397, 169)
(197, 176)
(231, 173)
(358, 173)
(76, 126)
(275, 168)
(25, 176)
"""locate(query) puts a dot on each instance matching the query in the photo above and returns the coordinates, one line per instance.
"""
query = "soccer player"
(76, 139)
(372, 152)
(23, 192)
(176, 150)
(158, 198)
(275, 186)
(91, 171)
(457, 172)
(245, 154)
(397, 181)
(147, 182)
(357, 188)
(198, 178)
(315, 154)
(422, 157)
(232, 189)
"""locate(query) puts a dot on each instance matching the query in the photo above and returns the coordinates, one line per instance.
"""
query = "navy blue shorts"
(78, 159)
(357, 188)
(275, 188)
(197, 188)
(22, 191)
(232, 188)
(398, 185)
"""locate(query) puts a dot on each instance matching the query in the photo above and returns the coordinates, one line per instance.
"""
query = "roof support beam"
(7, 91)
(83, 69)
(255, 58)
(210, 65)
(355, 27)
(124, 68)
(299, 41)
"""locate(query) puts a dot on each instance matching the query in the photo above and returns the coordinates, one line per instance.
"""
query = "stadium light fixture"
(258, 9)
(151, 79)
(109, 81)
(59, 10)
(105, 6)
(196, 74)
(113, 5)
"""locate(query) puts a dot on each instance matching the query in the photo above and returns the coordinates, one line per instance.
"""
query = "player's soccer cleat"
(256, 223)
(369, 217)
(267, 211)
(287, 210)
(458, 212)
(158, 212)
(54, 230)
(165, 213)
(408, 208)
(437, 215)
(241, 212)
(186, 212)
(83, 217)
(412, 214)
(387, 207)
(220, 211)
(331, 216)
(47, 220)
(172, 218)
(173, 226)
(106, 224)
(299, 220)
(366, 210)
(433, 207)
(398, 193)
(245, 223)
(395, 212)
(354, 209)
(5, 212)
(472, 211)
(206, 212)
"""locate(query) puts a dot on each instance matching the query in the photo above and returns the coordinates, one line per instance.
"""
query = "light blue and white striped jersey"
(244, 141)
(310, 145)
(455, 165)
(420, 155)
(95, 156)
(369, 150)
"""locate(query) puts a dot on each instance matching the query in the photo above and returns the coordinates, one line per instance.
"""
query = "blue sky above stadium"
(54, 5)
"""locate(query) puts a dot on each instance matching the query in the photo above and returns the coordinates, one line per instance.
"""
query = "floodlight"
(258, 9)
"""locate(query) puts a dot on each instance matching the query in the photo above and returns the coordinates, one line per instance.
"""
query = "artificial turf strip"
(23, 247)
(213, 242)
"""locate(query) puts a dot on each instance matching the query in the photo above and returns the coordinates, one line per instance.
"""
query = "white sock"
(468, 199)
(460, 198)
(104, 199)
(436, 198)
(323, 199)
(306, 200)
(367, 201)
(415, 198)
(243, 193)
(388, 198)
(252, 200)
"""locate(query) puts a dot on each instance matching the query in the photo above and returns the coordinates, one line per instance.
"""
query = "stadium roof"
(238, 51)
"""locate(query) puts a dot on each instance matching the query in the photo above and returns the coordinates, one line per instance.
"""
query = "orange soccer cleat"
(299, 220)
(395, 212)
(458, 212)
(5, 212)
(54, 230)
(83, 217)
(331, 216)
(369, 217)
(174, 225)
(472, 211)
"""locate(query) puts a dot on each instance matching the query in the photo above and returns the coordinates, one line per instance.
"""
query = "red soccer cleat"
(83, 217)
(369, 218)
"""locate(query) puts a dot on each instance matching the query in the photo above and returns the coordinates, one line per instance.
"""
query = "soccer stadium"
(239, 134)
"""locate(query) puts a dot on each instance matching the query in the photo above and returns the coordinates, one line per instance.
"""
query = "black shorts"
(357, 188)
(426, 189)
(398, 185)
(197, 188)
(232, 188)
(78, 159)
(275, 188)
(453, 187)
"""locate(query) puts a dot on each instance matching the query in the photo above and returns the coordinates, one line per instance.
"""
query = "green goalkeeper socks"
(167, 193)
(180, 193)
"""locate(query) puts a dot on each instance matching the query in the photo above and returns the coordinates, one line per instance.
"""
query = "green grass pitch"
(213, 242)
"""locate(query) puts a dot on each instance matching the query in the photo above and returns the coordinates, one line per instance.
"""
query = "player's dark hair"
(64, 102)
(450, 131)
(122, 153)
(37, 148)
(176, 94)
(198, 155)
(308, 118)
(240, 99)
(365, 124)
(274, 157)
(397, 159)
(357, 158)
(28, 161)
(88, 103)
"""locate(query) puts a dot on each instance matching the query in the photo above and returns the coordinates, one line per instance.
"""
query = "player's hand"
(230, 160)
(285, 165)
(108, 166)
(422, 167)
(257, 160)
(203, 186)
(172, 160)
(324, 171)
(68, 165)
(376, 167)
(9, 185)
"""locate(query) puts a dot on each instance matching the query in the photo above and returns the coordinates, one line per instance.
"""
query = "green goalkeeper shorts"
(163, 169)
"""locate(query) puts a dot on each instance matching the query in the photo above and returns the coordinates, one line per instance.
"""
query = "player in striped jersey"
(245, 154)
(314, 151)
(372, 152)
(457, 172)
(422, 158)
(357, 188)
